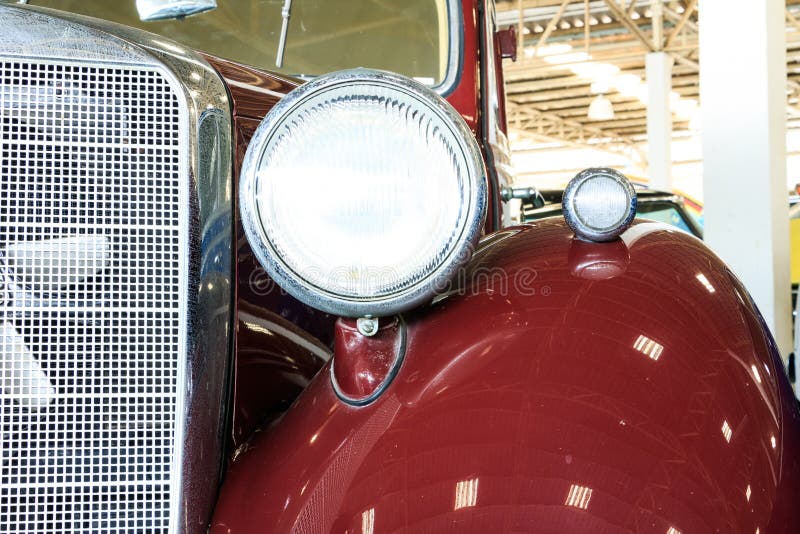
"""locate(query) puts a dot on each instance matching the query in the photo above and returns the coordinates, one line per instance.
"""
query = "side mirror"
(508, 43)
(150, 10)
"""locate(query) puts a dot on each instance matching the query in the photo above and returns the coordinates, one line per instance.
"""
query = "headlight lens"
(361, 192)
(599, 204)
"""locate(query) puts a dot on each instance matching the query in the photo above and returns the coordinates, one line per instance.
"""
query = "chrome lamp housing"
(599, 204)
(362, 192)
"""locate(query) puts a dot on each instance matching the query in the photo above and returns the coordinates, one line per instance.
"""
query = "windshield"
(411, 37)
(663, 212)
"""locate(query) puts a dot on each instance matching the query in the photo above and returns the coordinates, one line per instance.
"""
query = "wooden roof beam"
(556, 128)
(684, 20)
(557, 90)
(552, 25)
(629, 23)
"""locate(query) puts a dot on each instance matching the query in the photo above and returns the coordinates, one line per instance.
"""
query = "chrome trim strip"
(255, 88)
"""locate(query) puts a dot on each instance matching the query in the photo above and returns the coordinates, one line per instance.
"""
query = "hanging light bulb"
(600, 87)
(601, 109)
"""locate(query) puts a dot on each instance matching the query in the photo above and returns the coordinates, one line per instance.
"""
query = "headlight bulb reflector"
(362, 192)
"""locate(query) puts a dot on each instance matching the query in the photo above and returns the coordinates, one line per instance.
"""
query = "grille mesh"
(90, 253)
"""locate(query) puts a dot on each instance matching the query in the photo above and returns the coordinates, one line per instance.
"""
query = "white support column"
(659, 119)
(743, 99)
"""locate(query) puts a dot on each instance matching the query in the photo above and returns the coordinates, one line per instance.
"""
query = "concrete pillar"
(659, 119)
(743, 99)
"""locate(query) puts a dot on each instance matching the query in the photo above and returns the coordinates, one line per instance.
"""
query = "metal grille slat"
(91, 244)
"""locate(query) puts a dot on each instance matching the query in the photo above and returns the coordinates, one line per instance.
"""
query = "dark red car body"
(522, 410)
(532, 394)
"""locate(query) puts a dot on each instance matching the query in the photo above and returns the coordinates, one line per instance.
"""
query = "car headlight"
(599, 204)
(362, 192)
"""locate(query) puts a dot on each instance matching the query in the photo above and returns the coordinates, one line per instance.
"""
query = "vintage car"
(189, 243)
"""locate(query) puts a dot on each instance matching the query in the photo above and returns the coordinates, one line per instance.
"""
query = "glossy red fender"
(564, 387)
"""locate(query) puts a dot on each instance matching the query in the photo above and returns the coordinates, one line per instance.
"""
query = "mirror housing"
(507, 40)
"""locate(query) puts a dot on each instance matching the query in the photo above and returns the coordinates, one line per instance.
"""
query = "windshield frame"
(455, 54)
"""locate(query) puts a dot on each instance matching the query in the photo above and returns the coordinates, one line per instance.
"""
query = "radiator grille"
(91, 248)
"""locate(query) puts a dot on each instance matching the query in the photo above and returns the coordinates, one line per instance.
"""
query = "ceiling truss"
(549, 102)
(549, 127)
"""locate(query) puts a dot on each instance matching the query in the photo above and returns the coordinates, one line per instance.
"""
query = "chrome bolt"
(367, 326)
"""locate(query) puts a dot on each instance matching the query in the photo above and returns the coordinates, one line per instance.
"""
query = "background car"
(655, 205)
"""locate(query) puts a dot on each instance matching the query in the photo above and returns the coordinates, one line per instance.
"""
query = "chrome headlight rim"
(572, 214)
(421, 291)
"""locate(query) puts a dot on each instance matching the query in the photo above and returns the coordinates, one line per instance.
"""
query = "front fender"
(562, 386)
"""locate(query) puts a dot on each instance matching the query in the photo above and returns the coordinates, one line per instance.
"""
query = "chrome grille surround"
(115, 257)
